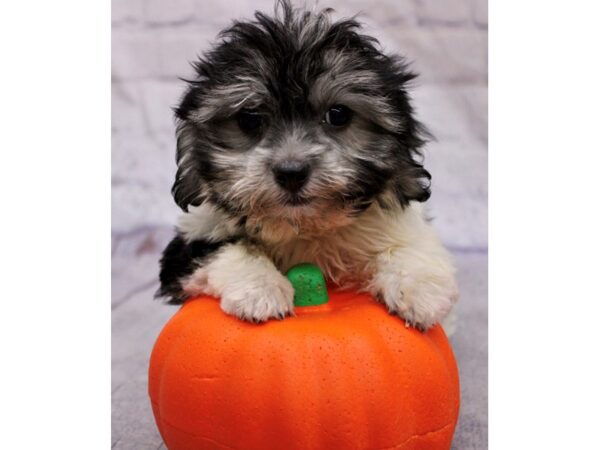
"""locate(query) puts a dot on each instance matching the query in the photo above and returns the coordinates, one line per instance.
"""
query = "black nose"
(291, 175)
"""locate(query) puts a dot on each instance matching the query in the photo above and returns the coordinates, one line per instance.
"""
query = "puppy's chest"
(341, 261)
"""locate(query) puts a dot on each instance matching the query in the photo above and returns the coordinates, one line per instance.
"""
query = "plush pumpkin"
(342, 374)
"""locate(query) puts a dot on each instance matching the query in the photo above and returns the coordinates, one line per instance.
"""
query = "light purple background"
(152, 44)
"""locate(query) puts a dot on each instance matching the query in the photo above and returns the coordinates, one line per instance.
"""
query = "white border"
(55, 252)
(544, 225)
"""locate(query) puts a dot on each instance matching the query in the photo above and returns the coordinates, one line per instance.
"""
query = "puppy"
(297, 142)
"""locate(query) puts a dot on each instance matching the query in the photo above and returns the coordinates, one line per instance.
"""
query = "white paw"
(259, 297)
(422, 299)
(246, 281)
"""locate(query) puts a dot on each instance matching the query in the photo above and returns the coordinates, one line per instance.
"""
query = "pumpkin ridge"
(174, 322)
(416, 436)
(196, 435)
(395, 447)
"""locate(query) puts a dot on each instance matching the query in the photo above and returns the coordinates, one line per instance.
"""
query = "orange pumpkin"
(342, 375)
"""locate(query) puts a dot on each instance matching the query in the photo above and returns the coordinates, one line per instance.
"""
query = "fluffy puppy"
(296, 142)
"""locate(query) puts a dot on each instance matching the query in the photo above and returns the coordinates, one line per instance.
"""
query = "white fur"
(206, 222)
(248, 284)
(392, 253)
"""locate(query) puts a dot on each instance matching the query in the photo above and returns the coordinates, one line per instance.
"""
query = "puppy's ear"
(412, 181)
(188, 187)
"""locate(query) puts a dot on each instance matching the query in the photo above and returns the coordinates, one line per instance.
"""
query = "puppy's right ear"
(188, 186)
(187, 189)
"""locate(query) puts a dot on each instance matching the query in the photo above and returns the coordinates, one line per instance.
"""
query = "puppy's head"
(294, 117)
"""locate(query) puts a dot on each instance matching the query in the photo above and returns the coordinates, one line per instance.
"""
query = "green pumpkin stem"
(309, 285)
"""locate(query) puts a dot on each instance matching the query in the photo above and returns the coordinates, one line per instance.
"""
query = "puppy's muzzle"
(291, 175)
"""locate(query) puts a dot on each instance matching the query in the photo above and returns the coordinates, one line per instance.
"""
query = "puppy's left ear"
(412, 182)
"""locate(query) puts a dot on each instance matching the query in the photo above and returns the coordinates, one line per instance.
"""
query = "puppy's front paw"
(259, 297)
(422, 299)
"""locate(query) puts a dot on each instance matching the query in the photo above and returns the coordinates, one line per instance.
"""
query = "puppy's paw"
(422, 298)
(259, 296)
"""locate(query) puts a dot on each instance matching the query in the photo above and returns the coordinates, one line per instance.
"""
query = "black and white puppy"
(297, 143)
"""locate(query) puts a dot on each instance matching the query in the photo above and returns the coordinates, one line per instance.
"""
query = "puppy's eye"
(250, 121)
(338, 115)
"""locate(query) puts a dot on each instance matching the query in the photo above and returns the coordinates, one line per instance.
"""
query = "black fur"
(179, 260)
(288, 70)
